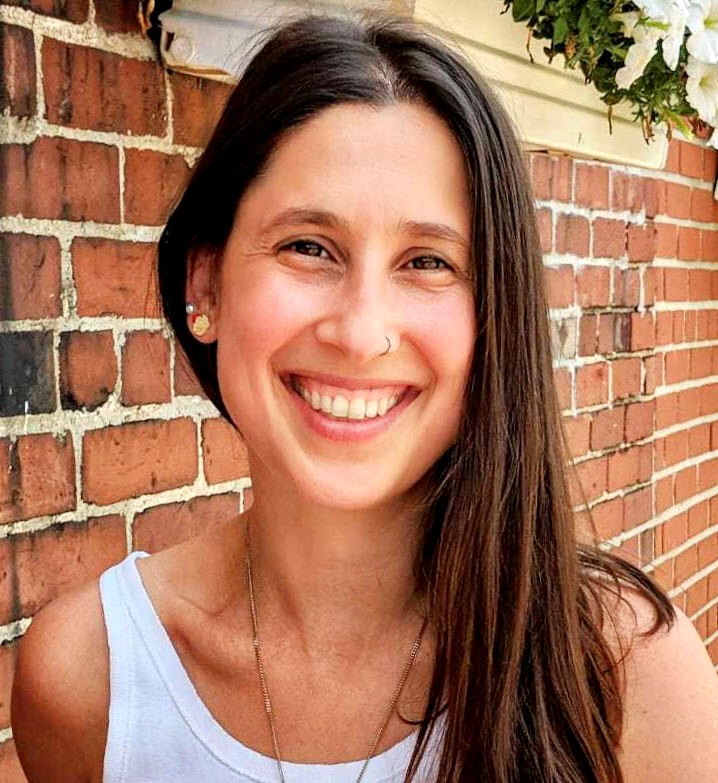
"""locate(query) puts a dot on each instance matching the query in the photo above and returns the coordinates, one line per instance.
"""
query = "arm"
(60, 696)
(670, 708)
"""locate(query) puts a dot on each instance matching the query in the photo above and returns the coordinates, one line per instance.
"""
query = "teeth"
(342, 408)
(357, 408)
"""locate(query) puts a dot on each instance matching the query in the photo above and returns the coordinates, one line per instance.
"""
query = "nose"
(361, 321)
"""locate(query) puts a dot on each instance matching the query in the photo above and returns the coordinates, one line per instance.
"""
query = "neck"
(327, 573)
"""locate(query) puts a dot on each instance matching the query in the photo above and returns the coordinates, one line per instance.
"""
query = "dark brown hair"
(530, 687)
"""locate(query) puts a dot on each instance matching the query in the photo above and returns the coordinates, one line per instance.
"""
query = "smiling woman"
(355, 275)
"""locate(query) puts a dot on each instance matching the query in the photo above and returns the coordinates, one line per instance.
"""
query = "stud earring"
(199, 322)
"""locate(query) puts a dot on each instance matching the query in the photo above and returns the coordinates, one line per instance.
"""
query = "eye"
(429, 264)
(305, 247)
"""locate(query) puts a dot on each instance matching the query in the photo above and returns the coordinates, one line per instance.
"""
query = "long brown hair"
(529, 686)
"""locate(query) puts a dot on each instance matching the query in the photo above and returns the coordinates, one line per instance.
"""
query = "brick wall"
(105, 442)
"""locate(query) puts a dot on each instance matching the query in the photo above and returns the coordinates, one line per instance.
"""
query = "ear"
(201, 291)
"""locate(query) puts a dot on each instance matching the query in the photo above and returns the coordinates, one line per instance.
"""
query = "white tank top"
(160, 729)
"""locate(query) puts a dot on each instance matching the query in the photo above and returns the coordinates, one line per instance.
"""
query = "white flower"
(702, 89)
(638, 57)
(660, 10)
(628, 21)
(673, 36)
(703, 24)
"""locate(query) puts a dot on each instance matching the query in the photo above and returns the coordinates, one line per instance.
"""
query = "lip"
(349, 430)
(347, 382)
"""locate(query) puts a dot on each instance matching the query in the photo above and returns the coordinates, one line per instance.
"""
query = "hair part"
(523, 671)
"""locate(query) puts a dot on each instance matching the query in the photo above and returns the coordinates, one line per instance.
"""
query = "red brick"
(587, 334)
(708, 551)
(666, 240)
(623, 468)
(627, 192)
(689, 244)
(708, 475)
(572, 235)
(675, 448)
(17, 64)
(675, 532)
(10, 769)
(696, 597)
(678, 200)
(40, 477)
(84, 175)
(709, 245)
(593, 285)
(606, 332)
(702, 285)
(70, 10)
(62, 557)
(186, 383)
(626, 287)
(559, 286)
(114, 278)
(699, 440)
(591, 384)
(655, 195)
(677, 366)
(224, 453)
(591, 188)
(608, 518)
(641, 242)
(117, 17)
(686, 484)
(697, 519)
(145, 368)
(138, 458)
(166, 525)
(544, 220)
(592, 477)
(609, 238)
(88, 369)
(709, 165)
(577, 430)
(153, 183)
(607, 428)
(664, 328)
(707, 400)
(673, 159)
(626, 377)
(8, 655)
(637, 507)
(196, 107)
(703, 205)
(643, 331)
(650, 372)
(621, 331)
(690, 159)
(684, 566)
(675, 284)
(702, 362)
(562, 381)
(649, 286)
(30, 271)
(639, 420)
(552, 177)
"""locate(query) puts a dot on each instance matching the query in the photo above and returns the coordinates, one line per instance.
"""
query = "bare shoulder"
(60, 694)
(671, 698)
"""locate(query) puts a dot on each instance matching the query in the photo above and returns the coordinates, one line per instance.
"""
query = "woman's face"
(357, 234)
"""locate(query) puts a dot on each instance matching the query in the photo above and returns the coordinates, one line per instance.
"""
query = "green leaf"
(523, 9)
(560, 30)
(539, 5)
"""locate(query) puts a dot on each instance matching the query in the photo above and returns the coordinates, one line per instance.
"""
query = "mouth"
(349, 405)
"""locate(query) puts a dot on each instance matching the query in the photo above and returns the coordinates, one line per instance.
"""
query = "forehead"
(399, 162)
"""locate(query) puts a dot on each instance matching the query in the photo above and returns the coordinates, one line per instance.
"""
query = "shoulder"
(670, 708)
(60, 696)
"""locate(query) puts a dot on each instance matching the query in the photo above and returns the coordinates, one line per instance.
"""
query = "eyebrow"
(319, 217)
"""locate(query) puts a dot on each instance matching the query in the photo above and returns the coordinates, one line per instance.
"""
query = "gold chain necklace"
(265, 690)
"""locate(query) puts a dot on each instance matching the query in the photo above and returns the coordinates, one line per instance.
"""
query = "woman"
(355, 275)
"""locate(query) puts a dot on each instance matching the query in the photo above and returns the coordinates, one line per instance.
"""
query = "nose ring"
(388, 346)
